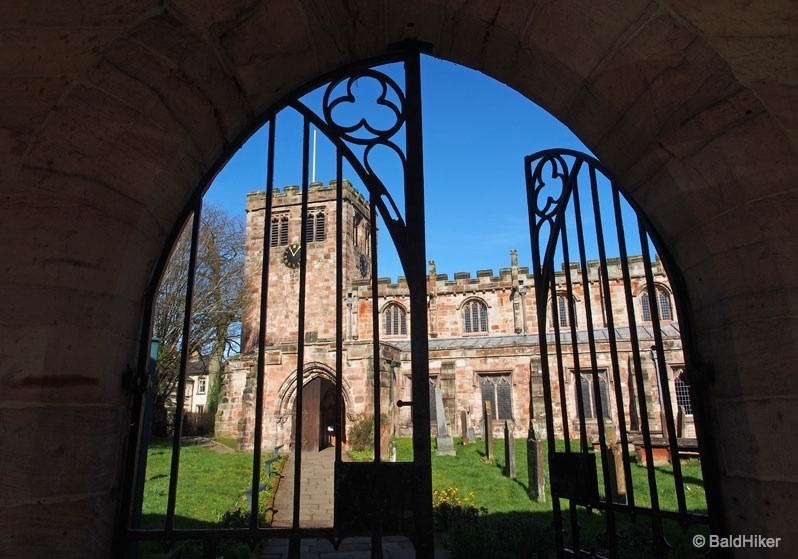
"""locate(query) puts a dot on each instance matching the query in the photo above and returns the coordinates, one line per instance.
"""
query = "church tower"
(284, 236)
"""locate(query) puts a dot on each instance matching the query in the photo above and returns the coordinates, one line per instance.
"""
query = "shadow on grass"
(187, 548)
(502, 535)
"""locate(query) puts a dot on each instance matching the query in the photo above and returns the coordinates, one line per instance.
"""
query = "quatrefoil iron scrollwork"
(364, 131)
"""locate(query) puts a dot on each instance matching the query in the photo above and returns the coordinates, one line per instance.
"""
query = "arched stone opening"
(318, 408)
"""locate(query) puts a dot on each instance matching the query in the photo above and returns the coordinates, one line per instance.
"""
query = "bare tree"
(216, 309)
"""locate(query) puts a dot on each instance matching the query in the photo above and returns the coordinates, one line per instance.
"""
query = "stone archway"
(116, 115)
(319, 381)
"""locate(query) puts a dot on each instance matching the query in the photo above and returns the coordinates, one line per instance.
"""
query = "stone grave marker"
(464, 427)
(488, 422)
(509, 452)
(617, 476)
(444, 438)
(536, 470)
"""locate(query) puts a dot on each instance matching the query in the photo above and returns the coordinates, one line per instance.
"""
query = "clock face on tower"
(363, 265)
(292, 255)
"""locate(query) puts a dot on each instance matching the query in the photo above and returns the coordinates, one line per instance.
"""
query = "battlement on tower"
(317, 192)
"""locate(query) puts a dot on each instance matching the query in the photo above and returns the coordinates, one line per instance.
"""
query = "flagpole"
(313, 177)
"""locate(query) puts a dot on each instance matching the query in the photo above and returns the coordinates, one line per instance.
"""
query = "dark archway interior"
(114, 117)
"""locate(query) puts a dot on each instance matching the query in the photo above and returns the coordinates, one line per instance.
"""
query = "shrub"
(450, 509)
(361, 434)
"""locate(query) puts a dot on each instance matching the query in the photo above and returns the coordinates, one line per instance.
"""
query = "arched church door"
(318, 415)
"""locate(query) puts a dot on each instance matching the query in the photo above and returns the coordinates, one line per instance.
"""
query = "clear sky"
(476, 134)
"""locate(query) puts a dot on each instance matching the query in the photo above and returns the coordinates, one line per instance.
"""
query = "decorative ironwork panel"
(603, 320)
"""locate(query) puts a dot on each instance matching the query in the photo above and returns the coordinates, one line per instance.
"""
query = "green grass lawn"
(508, 503)
(209, 485)
(212, 483)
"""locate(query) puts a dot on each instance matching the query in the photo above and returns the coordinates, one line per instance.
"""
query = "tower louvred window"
(320, 223)
(279, 231)
(315, 226)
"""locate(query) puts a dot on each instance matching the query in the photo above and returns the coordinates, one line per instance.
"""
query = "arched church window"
(562, 314)
(394, 319)
(475, 316)
(589, 396)
(663, 302)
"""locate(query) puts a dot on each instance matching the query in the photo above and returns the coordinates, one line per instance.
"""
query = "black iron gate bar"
(184, 354)
(262, 322)
(375, 325)
(339, 308)
(552, 215)
(610, 517)
(300, 359)
(638, 366)
(661, 365)
(610, 323)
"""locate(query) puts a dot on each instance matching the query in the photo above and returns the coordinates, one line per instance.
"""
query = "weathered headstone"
(536, 468)
(509, 452)
(464, 427)
(444, 439)
(471, 436)
(488, 422)
(392, 451)
(617, 476)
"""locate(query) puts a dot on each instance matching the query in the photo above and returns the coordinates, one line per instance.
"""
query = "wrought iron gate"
(370, 498)
(611, 351)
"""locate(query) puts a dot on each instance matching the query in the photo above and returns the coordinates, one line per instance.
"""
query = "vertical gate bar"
(616, 373)
(184, 355)
(262, 325)
(151, 364)
(303, 243)
(571, 307)
(656, 519)
(560, 371)
(662, 372)
(339, 305)
(375, 324)
(541, 285)
(417, 285)
(591, 340)
(572, 510)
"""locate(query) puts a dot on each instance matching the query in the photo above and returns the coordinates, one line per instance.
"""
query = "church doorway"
(318, 415)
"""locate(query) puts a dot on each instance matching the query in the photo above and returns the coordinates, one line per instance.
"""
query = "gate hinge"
(134, 381)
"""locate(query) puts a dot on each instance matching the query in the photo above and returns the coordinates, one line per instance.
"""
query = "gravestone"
(488, 423)
(444, 438)
(464, 426)
(536, 469)
(509, 452)
(392, 451)
(617, 477)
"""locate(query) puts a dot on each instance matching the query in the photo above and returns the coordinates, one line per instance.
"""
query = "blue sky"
(476, 134)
